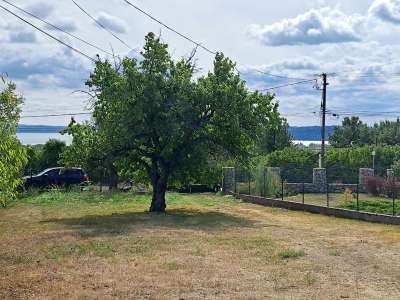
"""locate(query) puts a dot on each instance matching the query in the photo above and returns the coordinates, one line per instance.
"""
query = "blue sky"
(294, 38)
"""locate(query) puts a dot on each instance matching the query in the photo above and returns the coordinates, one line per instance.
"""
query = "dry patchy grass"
(106, 246)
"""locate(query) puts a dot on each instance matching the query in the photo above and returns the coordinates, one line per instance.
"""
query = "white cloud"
(23, 37)
(113, 23)
(41, 9)
(47, 74)
(353, 87)
(66, 24)
(317, 26)
(386, 10)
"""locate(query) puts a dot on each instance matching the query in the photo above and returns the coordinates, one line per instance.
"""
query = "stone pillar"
(319, 180)
(228, 180)
(274, 171)
(390, 175)
(364, 173)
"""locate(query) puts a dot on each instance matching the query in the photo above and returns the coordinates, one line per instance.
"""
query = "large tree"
(387, 132)
(162, 119)
(275, 134)
(90, 150)
(353, 132)
(12, 154)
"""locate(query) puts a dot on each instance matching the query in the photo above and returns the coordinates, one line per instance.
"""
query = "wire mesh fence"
(364, 190)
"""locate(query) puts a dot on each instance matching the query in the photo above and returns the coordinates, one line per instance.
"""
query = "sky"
(357, 43)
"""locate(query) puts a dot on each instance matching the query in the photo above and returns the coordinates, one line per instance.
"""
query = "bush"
(396, 168)
(391, 188)
(375, 186)
(342, 164)
(296, 164)
(273, 185)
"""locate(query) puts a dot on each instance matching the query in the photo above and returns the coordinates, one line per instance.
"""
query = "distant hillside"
(309, 133)
(39, 129)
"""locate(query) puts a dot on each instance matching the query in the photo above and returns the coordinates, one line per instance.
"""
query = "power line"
(170, 28)
(278, 76)
(286, 85)
(48, 34)
(197, 44)
(366, 113)
(100, 24)
(56, 115)
(57, 28)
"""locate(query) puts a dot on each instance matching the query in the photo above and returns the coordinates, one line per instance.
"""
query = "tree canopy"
(353, 132)
(275, 134)
(156, 115)
(12, 154)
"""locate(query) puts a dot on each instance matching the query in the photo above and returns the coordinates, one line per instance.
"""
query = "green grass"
(310, 279)
(367, 203)
(76, 249)
(289, 253)
(101, 222)
(115, 213)
(107, 245)
(56, 197)
(172, 265)
(379, 206)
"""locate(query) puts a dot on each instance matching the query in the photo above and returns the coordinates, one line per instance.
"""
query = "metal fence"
(364, 190)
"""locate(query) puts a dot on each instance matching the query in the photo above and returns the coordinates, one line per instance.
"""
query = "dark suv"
(56, 176)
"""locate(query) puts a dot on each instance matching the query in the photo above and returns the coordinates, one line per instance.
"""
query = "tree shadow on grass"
(120, 223)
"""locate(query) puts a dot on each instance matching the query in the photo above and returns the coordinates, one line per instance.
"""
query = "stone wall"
(390, 174)
(274, 171)
(297, 188)
(319, 184)
(319, 180)
(342, 213)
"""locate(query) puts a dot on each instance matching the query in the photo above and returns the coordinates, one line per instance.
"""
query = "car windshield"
(46, 171)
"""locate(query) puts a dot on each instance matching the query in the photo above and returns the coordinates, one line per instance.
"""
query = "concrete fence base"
(336, 212)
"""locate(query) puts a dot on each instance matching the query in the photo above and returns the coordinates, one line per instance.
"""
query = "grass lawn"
(106, 246)
(366, 202)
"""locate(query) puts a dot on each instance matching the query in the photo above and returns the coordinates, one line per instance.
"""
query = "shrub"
(391, 188)
(348, 195)
(296, 164)
(375, 186)
(285, 254)
(396, 168)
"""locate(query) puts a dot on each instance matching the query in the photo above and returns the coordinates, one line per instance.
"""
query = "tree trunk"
(158, 203)
(113, 180)
(112, 176)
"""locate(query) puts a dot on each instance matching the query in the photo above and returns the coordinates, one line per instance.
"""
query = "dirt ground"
(205, 247)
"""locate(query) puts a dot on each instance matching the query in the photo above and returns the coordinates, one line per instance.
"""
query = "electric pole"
(323, 119)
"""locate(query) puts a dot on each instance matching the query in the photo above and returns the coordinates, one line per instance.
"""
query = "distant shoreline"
(22, 128)
(304, 133)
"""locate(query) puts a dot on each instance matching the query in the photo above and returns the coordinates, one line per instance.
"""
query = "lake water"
(308, 143)
(42, 138)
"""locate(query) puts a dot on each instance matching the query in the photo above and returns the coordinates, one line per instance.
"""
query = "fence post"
(394, 208)
(264, 189)
(393, 196)
(282, 189)
(249, 183)
(236, 189)
(358, 198)
(303, 191)
(327, 194)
